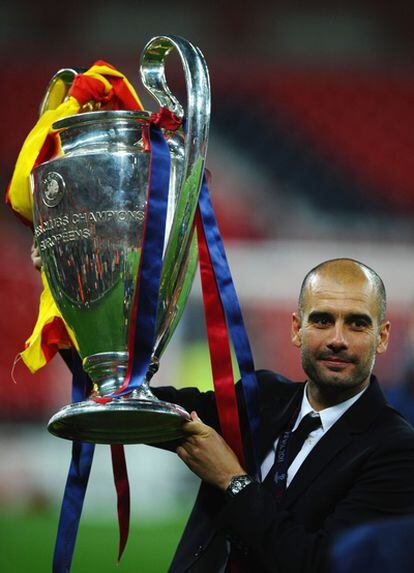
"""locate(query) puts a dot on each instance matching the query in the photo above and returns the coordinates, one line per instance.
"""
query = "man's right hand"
(35, 256)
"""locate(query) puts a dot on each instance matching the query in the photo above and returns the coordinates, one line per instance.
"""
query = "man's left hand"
(207, 454)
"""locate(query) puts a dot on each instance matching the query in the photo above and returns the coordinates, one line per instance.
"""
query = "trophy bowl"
(90, 208)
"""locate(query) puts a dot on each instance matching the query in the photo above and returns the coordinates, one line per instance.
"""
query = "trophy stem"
(137, 418)
(107, 371)
(144, 391)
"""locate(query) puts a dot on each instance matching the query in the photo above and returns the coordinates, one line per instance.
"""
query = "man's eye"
(359, 324)
(322, 321)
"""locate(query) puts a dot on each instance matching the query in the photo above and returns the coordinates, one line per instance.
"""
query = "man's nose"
(338, 340)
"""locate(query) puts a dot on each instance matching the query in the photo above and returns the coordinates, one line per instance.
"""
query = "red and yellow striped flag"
(101, 85)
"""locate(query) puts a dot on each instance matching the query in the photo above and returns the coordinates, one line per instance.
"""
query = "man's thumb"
(195, 417)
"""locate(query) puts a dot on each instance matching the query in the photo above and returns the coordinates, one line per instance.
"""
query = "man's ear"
(296, 330)
(383, 337)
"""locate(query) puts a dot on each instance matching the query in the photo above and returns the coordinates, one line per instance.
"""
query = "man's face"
(339, 331)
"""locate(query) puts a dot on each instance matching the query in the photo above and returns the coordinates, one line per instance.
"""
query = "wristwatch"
(237, 483)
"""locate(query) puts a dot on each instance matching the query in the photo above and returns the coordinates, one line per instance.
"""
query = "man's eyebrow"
(359, 316)
(318, 314)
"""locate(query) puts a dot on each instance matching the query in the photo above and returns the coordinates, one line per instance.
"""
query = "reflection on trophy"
(90, 204)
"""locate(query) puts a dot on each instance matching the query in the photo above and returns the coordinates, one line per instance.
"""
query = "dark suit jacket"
(361, 470)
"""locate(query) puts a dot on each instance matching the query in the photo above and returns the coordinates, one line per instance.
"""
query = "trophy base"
(120, 421)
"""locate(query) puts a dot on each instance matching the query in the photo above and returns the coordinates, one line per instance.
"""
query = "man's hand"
(35, 256)
(207, 454)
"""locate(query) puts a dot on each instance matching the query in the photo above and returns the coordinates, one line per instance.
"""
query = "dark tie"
(308, 424)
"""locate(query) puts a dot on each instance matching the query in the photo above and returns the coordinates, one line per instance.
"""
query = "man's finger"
(194, 417)
(191, 440)
(181, 452)
(194, 427)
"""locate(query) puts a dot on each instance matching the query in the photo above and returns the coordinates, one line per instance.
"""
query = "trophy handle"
(152, 71)
(187, 167)
(58, 88)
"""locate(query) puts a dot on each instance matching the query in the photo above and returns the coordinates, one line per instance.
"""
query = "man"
(353, 464)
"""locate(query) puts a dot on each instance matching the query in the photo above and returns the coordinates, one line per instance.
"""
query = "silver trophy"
(89, 216)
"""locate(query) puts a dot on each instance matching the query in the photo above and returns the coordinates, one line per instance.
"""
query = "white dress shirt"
(328, 418)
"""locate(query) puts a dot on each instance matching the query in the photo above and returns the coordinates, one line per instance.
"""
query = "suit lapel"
(325, 450)
(355, 420)
(275, 416)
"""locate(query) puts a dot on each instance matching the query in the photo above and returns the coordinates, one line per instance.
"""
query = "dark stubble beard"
(331, 384)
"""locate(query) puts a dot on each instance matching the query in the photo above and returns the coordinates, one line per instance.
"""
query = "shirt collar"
(329, 415)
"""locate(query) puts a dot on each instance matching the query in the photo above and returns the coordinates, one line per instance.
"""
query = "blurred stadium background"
(311, 150)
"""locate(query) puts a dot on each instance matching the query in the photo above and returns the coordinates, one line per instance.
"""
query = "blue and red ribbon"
(142, 332)
(77, 480)
(223, 294)
(141, 346)
(223, 318)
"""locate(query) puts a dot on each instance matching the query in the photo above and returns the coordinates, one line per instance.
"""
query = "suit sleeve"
(204, 403)
(252, 521)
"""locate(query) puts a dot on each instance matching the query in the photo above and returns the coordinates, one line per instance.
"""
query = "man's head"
(340, 325)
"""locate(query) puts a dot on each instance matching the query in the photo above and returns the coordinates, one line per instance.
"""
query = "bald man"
(333, 453)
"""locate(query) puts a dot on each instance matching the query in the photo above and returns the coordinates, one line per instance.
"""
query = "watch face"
(238, 483)
(237, 486)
